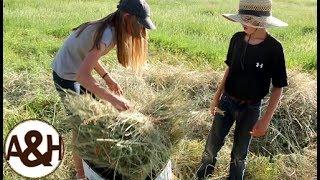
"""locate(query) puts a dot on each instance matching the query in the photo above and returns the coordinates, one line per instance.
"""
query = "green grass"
(189, 32)
(196, 28)
(34, 30)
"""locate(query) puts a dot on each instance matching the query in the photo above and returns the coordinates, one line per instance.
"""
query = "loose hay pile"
(171, 104)
(293, 126)
(134, 142)
(129, 142)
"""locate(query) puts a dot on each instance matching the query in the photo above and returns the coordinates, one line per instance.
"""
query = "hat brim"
(147, 23)
(269, 21)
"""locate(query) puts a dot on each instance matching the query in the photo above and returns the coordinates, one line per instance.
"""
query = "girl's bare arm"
(85, 78)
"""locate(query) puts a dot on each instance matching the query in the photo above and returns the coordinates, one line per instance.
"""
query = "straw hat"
(255, 13)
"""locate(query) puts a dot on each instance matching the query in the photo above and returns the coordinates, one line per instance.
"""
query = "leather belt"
(241, 101)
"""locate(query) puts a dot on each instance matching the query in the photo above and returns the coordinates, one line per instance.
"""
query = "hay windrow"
(293, 126)
(172, 105)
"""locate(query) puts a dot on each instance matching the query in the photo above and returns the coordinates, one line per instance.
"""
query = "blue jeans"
(63, 86)
(245, 115)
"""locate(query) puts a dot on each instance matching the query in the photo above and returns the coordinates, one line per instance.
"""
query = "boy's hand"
(260, 128)
(213, 107)
(216, 111)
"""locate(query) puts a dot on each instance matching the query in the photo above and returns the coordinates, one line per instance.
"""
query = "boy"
(254, 60)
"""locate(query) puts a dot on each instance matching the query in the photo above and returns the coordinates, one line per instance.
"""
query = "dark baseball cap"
(140, 9)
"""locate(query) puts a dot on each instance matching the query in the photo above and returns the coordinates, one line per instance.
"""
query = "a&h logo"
(34, 148)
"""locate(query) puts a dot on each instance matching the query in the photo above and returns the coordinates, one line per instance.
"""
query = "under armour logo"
(259, 65)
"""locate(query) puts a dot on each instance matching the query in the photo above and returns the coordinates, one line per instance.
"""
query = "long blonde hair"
(132, 46)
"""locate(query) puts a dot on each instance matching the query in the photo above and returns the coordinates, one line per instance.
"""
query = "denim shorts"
(63, 85)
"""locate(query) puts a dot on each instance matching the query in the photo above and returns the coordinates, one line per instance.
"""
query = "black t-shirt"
(264, 63)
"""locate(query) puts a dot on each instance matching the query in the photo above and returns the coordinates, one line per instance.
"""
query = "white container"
(90, 173)
(166, 173)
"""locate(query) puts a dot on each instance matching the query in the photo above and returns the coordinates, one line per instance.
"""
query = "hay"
(197, 86)
(130, 142)
(283, 166)
(187, 158)
(293, 126)
(297, 165)
(134, 142)
(172, 104)
(199, 124)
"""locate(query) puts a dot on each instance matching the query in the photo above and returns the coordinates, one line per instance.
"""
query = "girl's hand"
(120, 103)
(260, 128)
(113, 86)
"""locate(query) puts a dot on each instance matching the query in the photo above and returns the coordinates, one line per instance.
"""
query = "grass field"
(191, 33)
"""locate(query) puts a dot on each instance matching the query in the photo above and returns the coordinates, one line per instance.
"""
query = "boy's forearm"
(219, 92)
(273, 103)
(220, 89)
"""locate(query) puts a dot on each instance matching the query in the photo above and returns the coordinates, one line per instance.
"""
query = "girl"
(254, 60)
(80, 54)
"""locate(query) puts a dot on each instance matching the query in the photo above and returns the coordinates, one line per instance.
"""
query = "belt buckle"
(243, 102)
